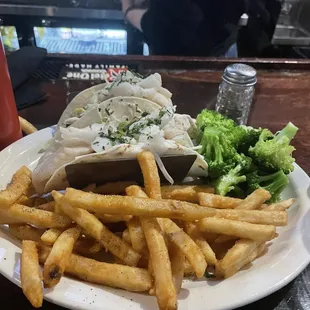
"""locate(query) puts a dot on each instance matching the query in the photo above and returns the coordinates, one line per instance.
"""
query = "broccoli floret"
(248, 137)
(210, 118)
(274, 183)
(273, 154)
(227, 183)
(218, 151)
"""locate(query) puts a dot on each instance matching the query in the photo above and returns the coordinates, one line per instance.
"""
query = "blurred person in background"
(201, 27)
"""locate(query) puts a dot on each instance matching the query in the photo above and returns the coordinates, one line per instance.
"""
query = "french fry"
(187, 246)
(5, 218)
(164, 285)
(177, 260)
(26, 126)
(114, 275)
(137, 206)
(160, 266)
(185, 192)
(193, 231)
(24, 200)
(40, 218)
(89, 188)
(254, 200)
(239, 252)
(150, 174)
(113, 218)
(20, 185)
(276, 218)
(98, 231)
(137, 236)
(188, 269)
(25, 232)
(47, 206)
(235, 268)
(126, 236)
(50, 236)
(86, 247)
(30, 274)
(221, 249)
(217, 201)
(237, 228)
(159, 256)
(251, 202)
(58, 258)
(113, 188)
(279, 206)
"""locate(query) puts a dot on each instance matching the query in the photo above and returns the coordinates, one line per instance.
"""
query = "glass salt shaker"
(236, 92)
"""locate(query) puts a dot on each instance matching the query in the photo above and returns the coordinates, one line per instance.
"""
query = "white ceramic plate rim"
(286, 258)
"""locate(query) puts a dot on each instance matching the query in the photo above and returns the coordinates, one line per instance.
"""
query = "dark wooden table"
(282, 95)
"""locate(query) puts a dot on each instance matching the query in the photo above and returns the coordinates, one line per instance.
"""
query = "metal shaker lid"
(240, 74)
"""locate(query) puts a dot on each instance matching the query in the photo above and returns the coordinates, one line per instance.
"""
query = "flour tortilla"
(120, 152)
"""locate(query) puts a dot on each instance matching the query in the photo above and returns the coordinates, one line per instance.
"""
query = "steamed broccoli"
(217, 151)
(274, 183)
(228, 182)
(248, 137)
(273, 154)
(209, 118)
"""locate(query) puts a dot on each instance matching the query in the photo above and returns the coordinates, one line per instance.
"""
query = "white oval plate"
(287, 255)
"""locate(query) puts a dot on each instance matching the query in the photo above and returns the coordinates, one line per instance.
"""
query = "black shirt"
(191, 27)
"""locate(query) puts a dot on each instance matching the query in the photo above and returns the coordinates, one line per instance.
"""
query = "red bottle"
(9, 124)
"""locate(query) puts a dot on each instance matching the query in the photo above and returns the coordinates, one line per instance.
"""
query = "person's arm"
(132, 12)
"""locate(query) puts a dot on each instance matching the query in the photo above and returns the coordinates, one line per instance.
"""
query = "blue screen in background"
(9, 38)
(81, 40)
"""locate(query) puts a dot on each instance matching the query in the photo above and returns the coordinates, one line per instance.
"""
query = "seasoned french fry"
(277, 218)
(113, 188)
(177, 260)
(164, 285)
(160, 266)
(150, 174)
(58, 258)
(26, 126)
(40, 218)
(113, 218)
(137, 206)
(185, 192)
(98, 231)
(26, 201)
(126, 236)
(119, 276)
(188, 247)
(188, 269)
(239, 252)
(47, 206)
(5, 218)
(220, 249)
(193, 231)
(89, 188)
(235, 268)
(25, 232)
(137, 236)
(237, 228)
(50, 236)
(279, 206)
(30, 274)
(87, 247)
(254, 200)
(20, 185)
(217, 201)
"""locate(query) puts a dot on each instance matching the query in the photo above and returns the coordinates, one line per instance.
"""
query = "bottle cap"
(240, 74)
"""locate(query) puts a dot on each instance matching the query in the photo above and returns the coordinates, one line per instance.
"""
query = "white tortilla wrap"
(124, 151)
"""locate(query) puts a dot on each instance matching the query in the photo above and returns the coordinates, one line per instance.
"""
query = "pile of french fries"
(155, 236)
